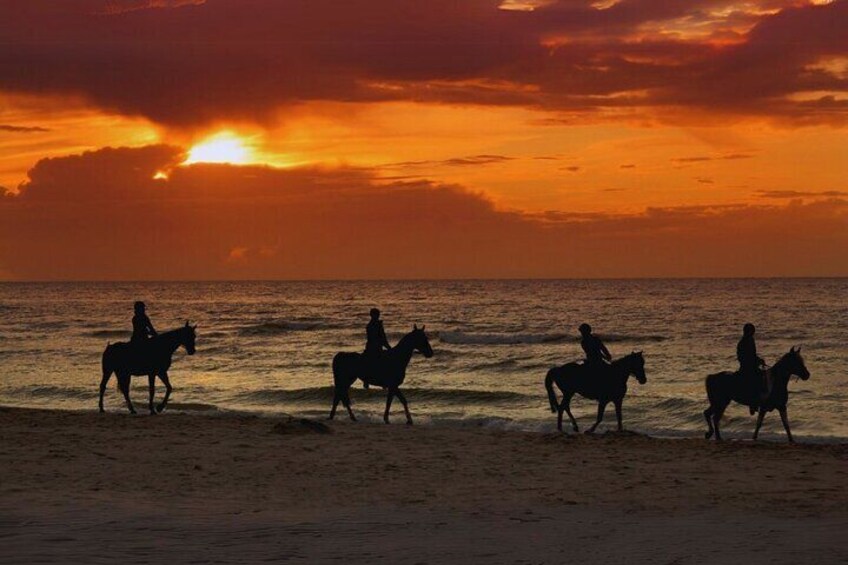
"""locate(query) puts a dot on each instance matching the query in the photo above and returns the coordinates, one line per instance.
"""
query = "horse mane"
(776, 369)
(624, 358)
(405, 338)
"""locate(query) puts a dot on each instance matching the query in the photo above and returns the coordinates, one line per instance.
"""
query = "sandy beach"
(215, 488)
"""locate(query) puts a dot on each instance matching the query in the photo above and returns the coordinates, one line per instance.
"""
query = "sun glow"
(225, 147)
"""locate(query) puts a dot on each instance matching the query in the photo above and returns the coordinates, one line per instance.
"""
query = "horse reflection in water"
(388, 372)
(152, 358)
(602, 383)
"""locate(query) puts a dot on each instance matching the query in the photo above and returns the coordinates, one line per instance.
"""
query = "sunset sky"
(259, 139)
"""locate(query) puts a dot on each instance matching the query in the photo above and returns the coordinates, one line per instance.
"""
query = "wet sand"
(219, 488)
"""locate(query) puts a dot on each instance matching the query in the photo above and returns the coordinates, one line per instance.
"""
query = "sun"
(224, 147)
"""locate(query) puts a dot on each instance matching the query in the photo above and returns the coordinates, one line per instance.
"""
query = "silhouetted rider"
(142, 327)
(377, 340)
(376, 335)
(750, 364)
(597, 354)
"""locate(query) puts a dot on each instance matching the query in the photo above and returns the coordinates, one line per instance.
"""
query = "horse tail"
(549, 385)
(108, 365)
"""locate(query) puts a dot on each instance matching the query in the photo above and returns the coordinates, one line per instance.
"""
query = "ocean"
(267, 347)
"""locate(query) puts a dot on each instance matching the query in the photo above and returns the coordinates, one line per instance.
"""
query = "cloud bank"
(101, 215)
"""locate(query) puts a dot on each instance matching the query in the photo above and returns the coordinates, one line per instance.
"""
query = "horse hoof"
(409, 422)
(708, 435)
(576, 429)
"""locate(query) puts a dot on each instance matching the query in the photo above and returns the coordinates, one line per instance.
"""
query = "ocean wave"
(470, 338)
(109, 333)
(275, 327)
(464, 338)
(192, 407)
(325, 394)
(52, 392)
(625, 338)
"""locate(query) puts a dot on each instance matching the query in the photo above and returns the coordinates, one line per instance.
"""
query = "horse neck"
(621, 367)
(404, 348)
(172, 340)
(780, 371)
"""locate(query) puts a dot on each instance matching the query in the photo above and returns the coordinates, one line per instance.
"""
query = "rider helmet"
(139, 307)
(375, 313)
(585, 329)
(749, 329)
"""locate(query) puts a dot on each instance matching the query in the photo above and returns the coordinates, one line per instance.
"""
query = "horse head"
(420, 342)
(189, 336)
(796, 364)
(636, 366)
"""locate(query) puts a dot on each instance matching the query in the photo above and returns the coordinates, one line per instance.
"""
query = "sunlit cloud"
(223, 147)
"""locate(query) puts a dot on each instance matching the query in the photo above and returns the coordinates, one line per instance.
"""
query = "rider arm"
(149, 326)
(383, 338)
(604, 351)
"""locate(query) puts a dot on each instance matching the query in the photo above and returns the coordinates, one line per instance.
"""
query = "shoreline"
(492, 423)
(242, 488)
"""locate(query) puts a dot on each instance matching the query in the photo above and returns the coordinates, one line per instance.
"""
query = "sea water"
(267, 347)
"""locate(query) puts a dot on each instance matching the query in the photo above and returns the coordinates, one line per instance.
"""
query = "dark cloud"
(792, 194)
(473, 160)
(702, 158)
(221, 221)
(201, 62)
(22, 129)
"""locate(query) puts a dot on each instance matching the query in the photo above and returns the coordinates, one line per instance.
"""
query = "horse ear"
(194, 327)
(415, 327)
(186, 323)
(792, 349)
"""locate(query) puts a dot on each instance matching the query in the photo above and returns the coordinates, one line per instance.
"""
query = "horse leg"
(760, 417)
(717, 414)
(124, 385)
(402, 399)
(560, 410)
(168, 388)
(618, 414)
(103, 382)
(567, 405)
(602, 406)
(708, 416)
(151, 383)
(785, 419)
(389, 397)
(346, 401)
(336, 399)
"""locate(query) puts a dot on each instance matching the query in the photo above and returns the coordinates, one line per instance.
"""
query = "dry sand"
(188, 488)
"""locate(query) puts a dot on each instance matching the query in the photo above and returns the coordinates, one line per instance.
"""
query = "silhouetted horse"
(389, 372)
(609, 384)
(154, 359)
(727, 386)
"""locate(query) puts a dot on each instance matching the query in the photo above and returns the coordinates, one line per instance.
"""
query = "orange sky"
(400, 138)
